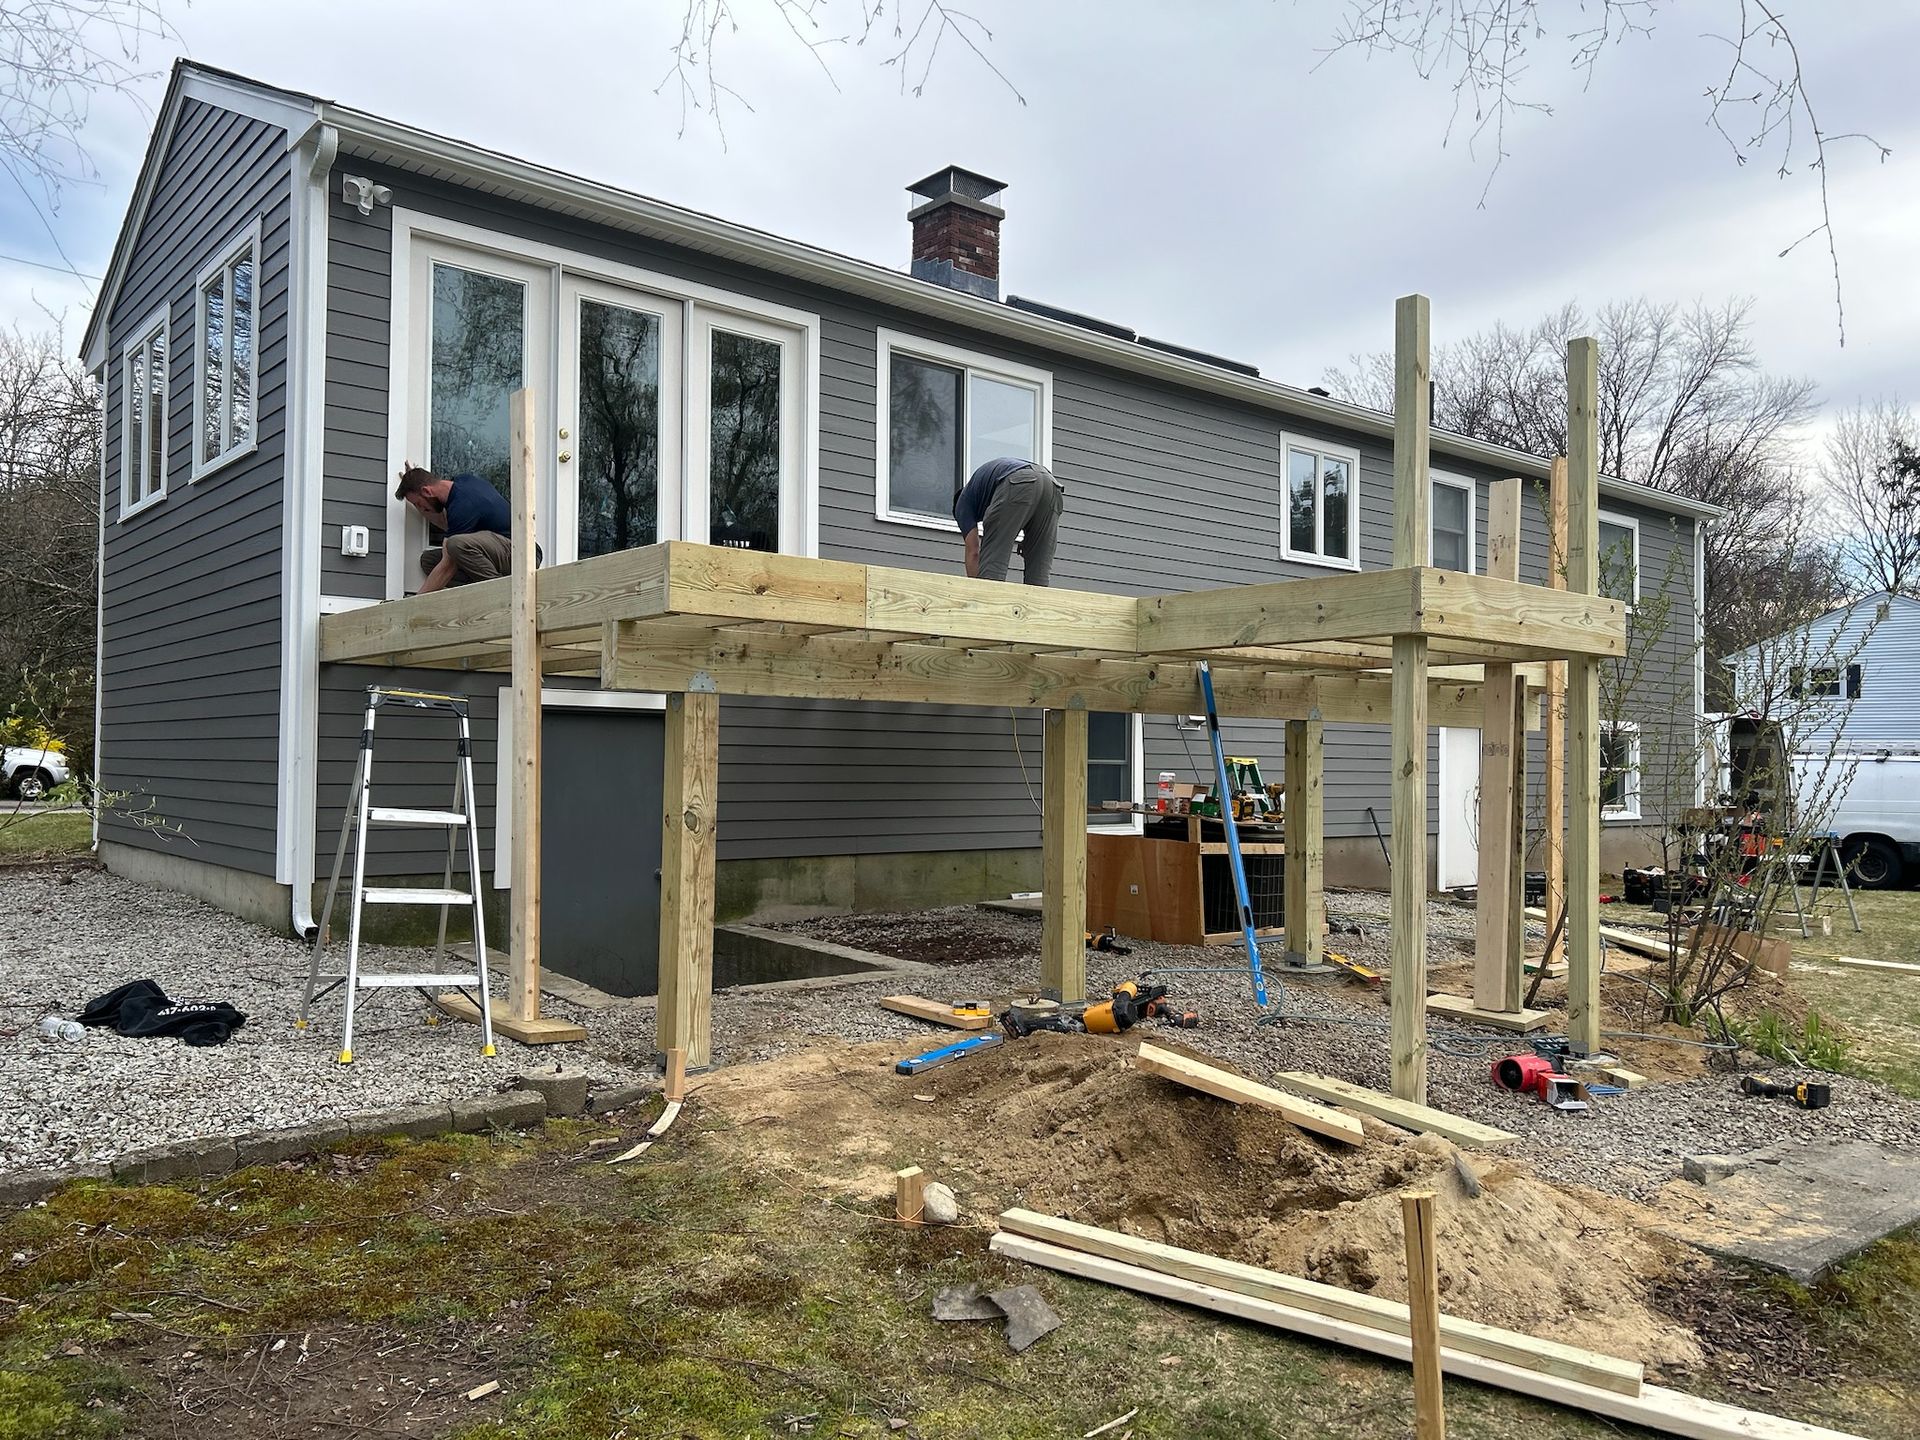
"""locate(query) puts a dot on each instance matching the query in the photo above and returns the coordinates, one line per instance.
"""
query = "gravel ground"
(65, 940)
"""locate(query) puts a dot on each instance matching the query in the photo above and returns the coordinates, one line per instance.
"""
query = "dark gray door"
(600, 847)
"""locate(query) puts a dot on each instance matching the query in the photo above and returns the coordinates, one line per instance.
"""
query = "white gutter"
(100, 608)
(312, 156)
(388, 141)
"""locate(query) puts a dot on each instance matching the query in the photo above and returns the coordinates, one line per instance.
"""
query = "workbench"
(1173, 884)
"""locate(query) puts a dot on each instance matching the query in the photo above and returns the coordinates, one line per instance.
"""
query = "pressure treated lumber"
(1423, 1314)
(1554, 722)
(909, 1193)
(684, 1014)
(933, 1011)
(1653, 946)
(1063, 857)
(1848, 962)
(1408, 1116)
(1549, 1357)
(1304, 896)
(1668, 1411)
(1499, 935)
(523, 979)
(1407, 898)
(539, 1030)
(1225, 1085)
(1412, 416)
(1583, 703)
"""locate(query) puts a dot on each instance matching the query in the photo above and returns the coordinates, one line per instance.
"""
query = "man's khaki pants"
(478, 555)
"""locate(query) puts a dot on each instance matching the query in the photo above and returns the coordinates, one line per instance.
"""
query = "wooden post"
(674, 1082)
(1408, 902)
(1306, 905)
(910, 1192)
(1555, 721)
(1063, 859)
(1583, 703)
(1423, 1315)
(523, 998)
(683, 1017)
(1499, 925)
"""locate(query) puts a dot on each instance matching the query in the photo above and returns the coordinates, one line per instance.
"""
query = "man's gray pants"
(1029, 500)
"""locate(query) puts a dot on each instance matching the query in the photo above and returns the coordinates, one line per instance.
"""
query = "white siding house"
(1864, 658)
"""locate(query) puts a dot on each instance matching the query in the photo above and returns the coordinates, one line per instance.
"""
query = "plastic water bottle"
(56, 1028)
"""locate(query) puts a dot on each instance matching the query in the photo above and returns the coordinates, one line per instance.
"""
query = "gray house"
(304, 296)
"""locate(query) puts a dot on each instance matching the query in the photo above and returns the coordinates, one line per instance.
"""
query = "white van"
(1876, 816)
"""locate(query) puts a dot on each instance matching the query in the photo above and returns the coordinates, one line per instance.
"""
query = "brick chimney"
(956, 231)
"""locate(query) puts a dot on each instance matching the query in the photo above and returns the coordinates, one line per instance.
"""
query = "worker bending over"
(1002, 498)
(477, 524)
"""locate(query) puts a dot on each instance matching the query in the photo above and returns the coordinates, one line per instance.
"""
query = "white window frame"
(133, 457)
(800, 500)
(1458, 482)
(1629, 806)
(969, 363)
(1625, 522)
(697, 390)
(1134, 822)
(247, 242)
(1320, 450)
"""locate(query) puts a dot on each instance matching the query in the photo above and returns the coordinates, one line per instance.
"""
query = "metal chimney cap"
(958, 180)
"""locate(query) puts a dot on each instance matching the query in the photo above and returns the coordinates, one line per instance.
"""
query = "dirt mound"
(1067, 1125)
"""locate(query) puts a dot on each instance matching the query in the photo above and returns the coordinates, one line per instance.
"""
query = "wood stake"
(523, 986)
(675, 1086)
(909, 1193)
(1423, 1312)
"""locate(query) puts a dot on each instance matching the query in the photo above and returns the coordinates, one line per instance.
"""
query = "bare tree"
(1684, 407)
(1485, 50)
(1872, 474)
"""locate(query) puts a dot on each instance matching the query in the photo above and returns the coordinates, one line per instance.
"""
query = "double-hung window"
(143, 418)
(943, 413)
(1826, 682)
(1450, 543)
(1620, 771)
(1620, 558)
(1113, 767)
(1322, 520)
(226, 330)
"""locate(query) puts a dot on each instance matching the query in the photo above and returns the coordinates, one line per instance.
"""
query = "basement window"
(143, 418)
(1620, 772)
(943, 413)
(1322, 517)
(226, 325)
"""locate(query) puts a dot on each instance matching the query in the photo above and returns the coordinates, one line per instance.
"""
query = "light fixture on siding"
(363, 194)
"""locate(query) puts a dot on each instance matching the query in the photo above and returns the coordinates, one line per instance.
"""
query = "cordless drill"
(1807, 1094)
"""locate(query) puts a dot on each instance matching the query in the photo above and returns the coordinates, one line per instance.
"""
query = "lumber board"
(1520, 621)
(539, 1030)
(1407, 898)
(1849, 962)
(1653, 946)
(1517, 1021)
(909, 1193)
(1423, 1314)
(1549, 1357)
(1225, 1085)
(1373, 604)
(1063, 857)
(684, 1014)
(1554, 718)
(933, 1011)
(523, 967)
(933, 604)
(1583, 702)
(1304, 894)
(1408, 1116)
(1670, 1412)
(1412, 417)
(1498, 934)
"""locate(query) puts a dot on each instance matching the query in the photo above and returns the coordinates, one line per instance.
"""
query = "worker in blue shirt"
(1002, 498)
(475, 519)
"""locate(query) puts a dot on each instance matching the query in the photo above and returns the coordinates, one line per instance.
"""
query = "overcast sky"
(1215, 179)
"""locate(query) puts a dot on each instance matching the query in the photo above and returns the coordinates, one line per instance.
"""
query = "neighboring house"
(305, 296)
(1848, 679)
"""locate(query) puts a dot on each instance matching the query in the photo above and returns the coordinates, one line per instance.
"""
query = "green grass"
(44, 833)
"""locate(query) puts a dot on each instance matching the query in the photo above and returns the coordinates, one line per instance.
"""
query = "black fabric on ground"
(141, 1009)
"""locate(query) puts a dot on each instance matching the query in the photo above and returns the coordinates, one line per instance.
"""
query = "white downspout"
(306, 482)
(100, 600)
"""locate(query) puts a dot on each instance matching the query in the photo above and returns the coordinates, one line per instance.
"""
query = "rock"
(518, 1108)
(418, 1122)
(27, 1186)
(618, 1097)
(939, 1206)
(964, 1302)
(1028, 1316)
(1702, 1168)
(563, 1087)
(270, 1147)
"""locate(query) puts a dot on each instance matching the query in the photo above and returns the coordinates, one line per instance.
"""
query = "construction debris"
(1028, 1316)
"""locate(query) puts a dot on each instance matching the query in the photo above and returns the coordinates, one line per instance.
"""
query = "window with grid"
(143, 419)
(1451, 514)
(1322, 509)
(1109, 767)
(946, 415)
(1620, 772)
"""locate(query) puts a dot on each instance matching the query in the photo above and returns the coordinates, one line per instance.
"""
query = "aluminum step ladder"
(362, 815)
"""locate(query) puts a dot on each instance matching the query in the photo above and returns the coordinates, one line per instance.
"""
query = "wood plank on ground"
(1225, 1085)
(1549, 1357)
(933, 1011)
(1404, 1113)
(537, 1030)
(1668, 1411)
(1849, 962)
(1459, 1007)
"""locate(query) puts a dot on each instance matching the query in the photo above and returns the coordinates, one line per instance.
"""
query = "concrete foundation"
(238, 892)
(795, 889)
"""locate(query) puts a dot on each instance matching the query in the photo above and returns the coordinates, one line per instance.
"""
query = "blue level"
(945, 1053)
(1224, 795)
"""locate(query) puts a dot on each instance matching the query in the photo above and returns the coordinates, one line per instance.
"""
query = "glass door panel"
(745, 441)
(477, 352)
(623, 353)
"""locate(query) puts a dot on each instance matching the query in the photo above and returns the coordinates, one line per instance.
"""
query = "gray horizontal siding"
(1168, 490)
(190, 660)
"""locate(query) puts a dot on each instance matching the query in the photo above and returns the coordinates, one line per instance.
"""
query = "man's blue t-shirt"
(474, 505)
(970, 506)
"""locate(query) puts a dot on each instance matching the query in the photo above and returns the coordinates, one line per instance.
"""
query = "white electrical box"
(355, 541)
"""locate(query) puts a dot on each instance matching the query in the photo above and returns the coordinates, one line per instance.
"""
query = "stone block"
(1701, 1169)
(289, 1142)
(514, 1108)
(563, 1087)
(24, 1187)
(417, 1122)
(618, 1097)
(181, 1160)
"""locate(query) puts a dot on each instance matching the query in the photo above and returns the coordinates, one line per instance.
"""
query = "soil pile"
(1066, 1125)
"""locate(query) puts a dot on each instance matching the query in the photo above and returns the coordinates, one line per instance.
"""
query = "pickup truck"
(30, 774)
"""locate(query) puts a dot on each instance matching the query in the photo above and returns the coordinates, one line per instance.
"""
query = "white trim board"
(550, 699)
(1321, 450)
